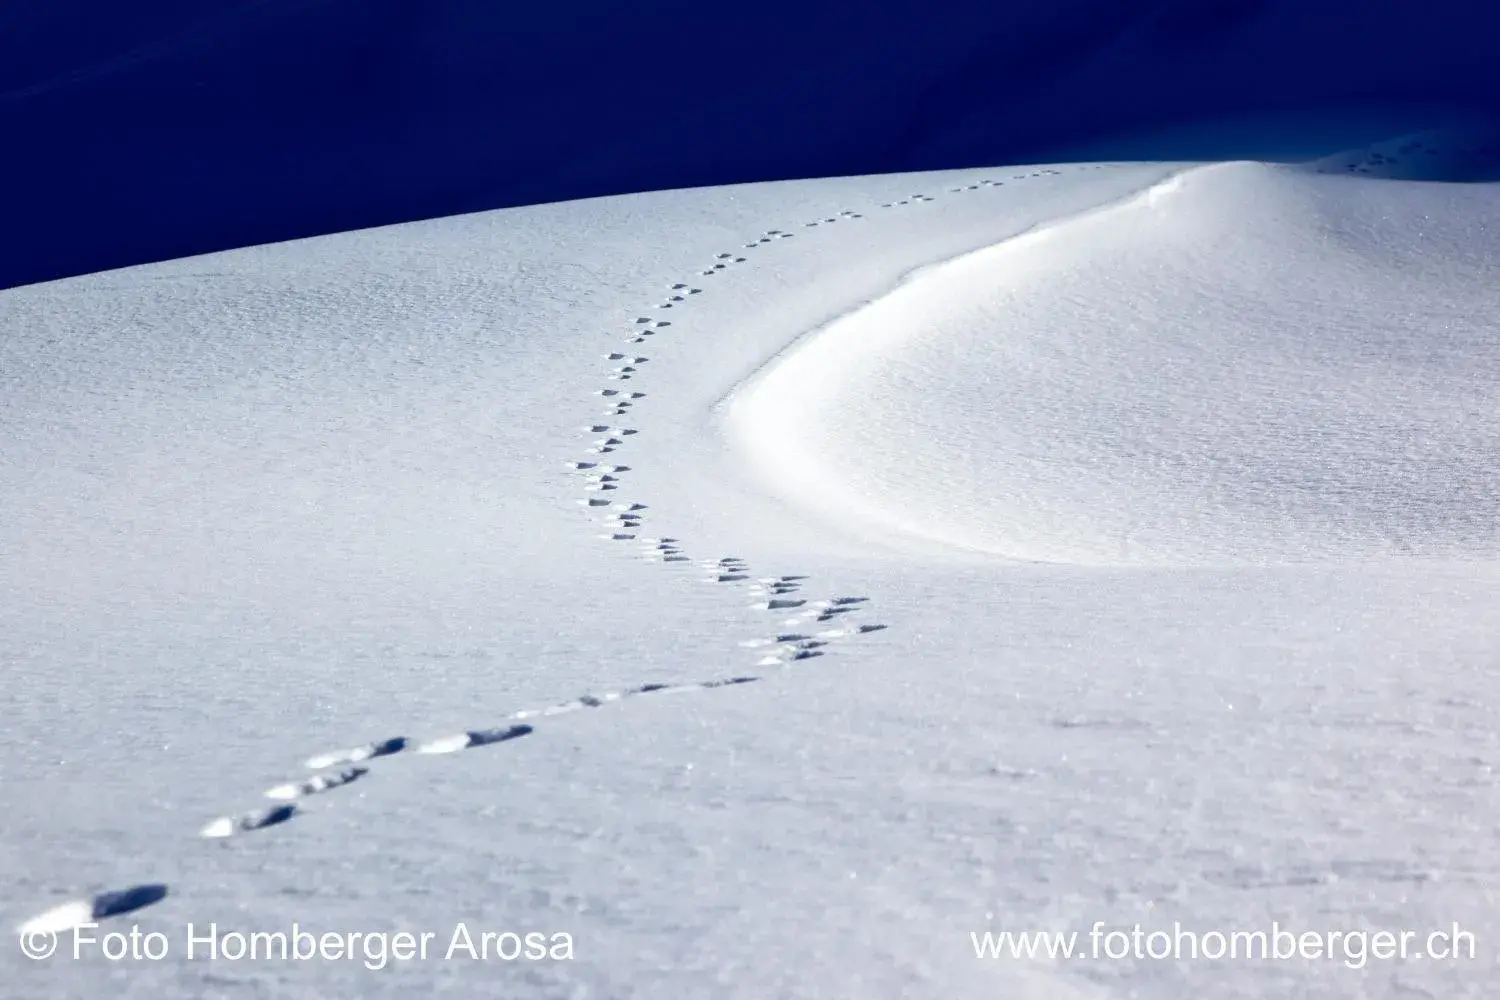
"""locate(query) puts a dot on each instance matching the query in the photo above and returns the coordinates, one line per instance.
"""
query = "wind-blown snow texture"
(1240, 364)
(439, 573)
(155, 129)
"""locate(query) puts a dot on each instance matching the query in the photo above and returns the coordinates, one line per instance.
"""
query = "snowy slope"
(268, 504)
(1280, 368)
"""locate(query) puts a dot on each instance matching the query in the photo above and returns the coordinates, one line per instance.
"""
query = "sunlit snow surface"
(1241, 364)
(783, 581)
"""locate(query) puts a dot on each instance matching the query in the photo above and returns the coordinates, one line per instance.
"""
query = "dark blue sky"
(161, 128)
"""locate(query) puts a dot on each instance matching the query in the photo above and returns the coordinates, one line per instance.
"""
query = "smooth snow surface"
(768, 587)
(1241, 364)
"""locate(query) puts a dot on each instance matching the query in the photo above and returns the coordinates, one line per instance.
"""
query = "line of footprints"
(802, 631)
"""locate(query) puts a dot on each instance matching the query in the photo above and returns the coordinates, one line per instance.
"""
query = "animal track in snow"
(77, 912)
(779, 604)
(781, 648)
(772, 592)
(783, 637)
(354, 755)
(316, 784)
(473, 738)
(790, 656)
(256, 819)
(848, 630)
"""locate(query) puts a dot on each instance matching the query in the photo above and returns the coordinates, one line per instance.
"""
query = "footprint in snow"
(777, 659)
(473, 738)
(774, 640)
(354, 755)
(316, 784)
(256, 819)
(839, 633)
(77, 912)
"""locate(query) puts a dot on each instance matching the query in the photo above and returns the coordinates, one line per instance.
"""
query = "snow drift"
(1242, 364)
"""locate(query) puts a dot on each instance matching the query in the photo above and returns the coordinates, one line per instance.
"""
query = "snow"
(1240, 364)
(943, 612)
